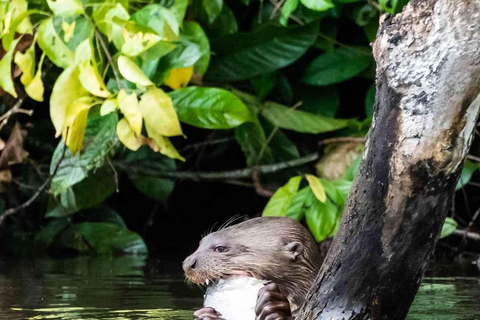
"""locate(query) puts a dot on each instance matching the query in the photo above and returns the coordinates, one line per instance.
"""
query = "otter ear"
(294, 249)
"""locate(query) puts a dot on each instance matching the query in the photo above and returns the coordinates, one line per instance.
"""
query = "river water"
(137, 288)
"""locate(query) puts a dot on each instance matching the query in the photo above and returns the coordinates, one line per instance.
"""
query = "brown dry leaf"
(13, 152)
(5, 179)
(334, 164)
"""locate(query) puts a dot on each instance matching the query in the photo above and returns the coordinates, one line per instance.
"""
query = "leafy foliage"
(133, 86)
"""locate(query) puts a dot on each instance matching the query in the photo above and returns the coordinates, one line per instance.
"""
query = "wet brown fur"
(262, 248)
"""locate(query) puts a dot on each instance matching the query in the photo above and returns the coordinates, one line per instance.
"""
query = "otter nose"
(190, 263)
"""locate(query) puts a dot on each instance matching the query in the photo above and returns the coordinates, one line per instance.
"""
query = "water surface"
(137, 288)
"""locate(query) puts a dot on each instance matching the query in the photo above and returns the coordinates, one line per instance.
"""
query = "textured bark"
(427, 103)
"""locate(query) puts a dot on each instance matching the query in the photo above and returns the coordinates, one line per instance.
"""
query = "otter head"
(267, 248)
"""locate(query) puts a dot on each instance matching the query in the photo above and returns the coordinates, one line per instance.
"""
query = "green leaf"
(337, 66)
(53, 46)
(251, 138)
(110, 19)
(264, 84)
(300, 202)
(300, 121)
(279, 203)
(287, 9)
(154, 188)
(193, 48)
(160, 19)
(317, 5)
(207, 10)
(209, 108)
(100, 140)
(109, 238)
(352, 170)
(245, 55)
(89, 192)
(322, 219)
(448, 228)
(49, 232)
(469, 168)
(224, 24)
(193, 33)
(280, 145)
(6, 81)
(322, 101)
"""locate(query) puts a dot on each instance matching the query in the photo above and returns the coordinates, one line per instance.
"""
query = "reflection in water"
(134, 288)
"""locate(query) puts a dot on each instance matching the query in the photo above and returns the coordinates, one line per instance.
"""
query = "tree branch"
(216, 175)
(39, 191)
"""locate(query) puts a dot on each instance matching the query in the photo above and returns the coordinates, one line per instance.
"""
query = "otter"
(276, 249)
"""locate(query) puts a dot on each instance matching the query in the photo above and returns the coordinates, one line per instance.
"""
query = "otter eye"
(220, 249)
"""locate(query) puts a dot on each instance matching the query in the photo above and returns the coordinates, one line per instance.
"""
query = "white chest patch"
(235, 297)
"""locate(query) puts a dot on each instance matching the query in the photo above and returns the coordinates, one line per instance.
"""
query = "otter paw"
(207, 313)
(272, 304)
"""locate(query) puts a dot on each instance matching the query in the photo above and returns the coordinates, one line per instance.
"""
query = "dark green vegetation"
(264, 94)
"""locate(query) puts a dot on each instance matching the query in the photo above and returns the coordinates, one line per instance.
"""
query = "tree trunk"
(427, 102)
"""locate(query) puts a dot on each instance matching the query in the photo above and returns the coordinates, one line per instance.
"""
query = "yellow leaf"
(158, 112)
(162, 144)
(6, 81)
(126, 135)
(129, 106)
(138, 39)
(53, 46)
(130, 71)
(35, 88)
(179, 77)
(76, 122)
(66, 7)
(109, 19)
(26, 63)
(17, 8)
(317, 187)
(108, 106)
(68, 30)
(89, 76)
(66, 90)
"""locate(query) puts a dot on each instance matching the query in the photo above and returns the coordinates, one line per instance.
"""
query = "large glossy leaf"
(317, 187)
(279, 203)
(209, 108)
(300, 121)
(100, 138)
(245, 55)
(300, 202)
(337, 66)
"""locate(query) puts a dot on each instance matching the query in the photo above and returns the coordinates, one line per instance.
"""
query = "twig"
(109, 58)
(473, 158)
(217, 175)
(259, 189)
(39, 191)
(467, 234)
(115, 173)
(206, 143)
(15, 109)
